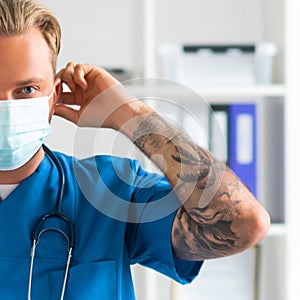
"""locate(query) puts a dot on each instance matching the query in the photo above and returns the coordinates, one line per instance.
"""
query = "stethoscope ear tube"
(55, 215)
(32, 254)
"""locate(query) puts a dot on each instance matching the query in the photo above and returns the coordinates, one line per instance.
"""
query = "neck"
(18, 175)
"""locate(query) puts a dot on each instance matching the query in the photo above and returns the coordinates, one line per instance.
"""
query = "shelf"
(274, 90)
(276, 230)
(177, 92)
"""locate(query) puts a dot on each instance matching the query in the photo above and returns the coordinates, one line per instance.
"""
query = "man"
(216, 216)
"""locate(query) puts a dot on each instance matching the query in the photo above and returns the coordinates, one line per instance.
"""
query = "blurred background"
(227, 72)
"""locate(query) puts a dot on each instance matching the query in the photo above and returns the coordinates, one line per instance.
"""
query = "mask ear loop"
(52, 108)
(51, 94)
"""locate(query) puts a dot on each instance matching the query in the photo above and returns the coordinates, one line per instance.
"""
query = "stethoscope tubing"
(40, 229)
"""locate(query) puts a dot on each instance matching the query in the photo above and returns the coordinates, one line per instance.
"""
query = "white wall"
(97, 32)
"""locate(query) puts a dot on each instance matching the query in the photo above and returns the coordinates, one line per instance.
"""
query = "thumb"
(67, 113)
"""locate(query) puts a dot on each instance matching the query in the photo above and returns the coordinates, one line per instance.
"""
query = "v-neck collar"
(6, 189)
(40, 168)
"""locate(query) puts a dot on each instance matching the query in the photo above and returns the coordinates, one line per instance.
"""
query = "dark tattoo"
(210, 236)
(193, 163)
(204, 229)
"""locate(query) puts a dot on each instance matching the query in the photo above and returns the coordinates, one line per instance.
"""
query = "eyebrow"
(29, 81)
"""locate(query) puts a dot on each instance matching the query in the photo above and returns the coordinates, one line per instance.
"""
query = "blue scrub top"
(105, 247)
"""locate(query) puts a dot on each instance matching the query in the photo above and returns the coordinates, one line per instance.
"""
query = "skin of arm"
(218, 216)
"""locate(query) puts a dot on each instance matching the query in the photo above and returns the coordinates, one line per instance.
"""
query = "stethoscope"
(56, 214)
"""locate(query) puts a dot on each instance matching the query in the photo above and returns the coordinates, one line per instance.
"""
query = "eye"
(28, 90)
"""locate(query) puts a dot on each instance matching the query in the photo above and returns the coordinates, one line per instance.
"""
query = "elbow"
(256, 228)
(263, 223)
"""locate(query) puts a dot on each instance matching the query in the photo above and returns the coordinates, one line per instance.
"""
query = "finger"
(79, 76)
(67, 98)
(108, 80)
(67, 75)
(67, 113)
(57, 81)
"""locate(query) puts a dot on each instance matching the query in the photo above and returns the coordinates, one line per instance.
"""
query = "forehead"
(24, 56)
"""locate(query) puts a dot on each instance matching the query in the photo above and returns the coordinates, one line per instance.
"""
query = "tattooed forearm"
(185, 161)
(210, 238)
(210, 230)
(218, 215)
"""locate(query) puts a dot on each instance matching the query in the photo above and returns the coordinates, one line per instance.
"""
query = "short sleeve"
(149, 241)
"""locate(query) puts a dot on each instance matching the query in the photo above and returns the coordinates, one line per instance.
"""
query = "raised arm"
(218, 215)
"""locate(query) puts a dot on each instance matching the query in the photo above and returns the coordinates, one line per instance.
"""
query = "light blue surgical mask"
(24, 126)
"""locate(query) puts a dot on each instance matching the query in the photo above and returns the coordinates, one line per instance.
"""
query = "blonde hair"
(19, 16)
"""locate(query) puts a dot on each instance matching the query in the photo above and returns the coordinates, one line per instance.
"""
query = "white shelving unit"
(292, 147)
(271, 286)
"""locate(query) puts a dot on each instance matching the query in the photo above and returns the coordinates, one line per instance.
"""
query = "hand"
(95, 91)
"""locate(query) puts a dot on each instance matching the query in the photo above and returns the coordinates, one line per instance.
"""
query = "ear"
(56, 94)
